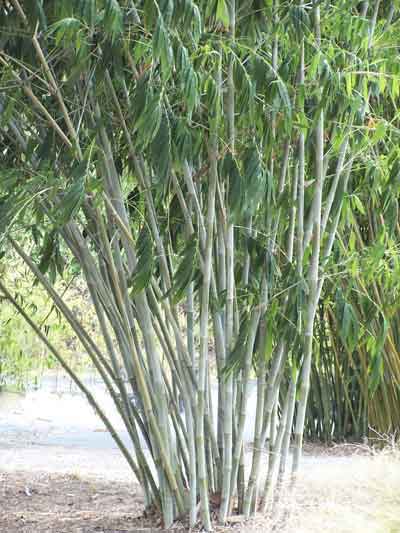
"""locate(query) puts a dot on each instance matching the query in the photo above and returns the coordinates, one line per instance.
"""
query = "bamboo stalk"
(277, 455)
(313, 276)
(204, 311)
(264, 410)
(227, 390)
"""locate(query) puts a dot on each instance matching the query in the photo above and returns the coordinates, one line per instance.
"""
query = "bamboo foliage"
(198, 152)
(356, 372)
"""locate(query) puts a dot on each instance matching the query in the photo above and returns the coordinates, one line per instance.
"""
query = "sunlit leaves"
(379, 132)
(222, 13)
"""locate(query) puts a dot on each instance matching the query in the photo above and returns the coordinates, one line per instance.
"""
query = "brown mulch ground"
(36, 503)
(58, 503)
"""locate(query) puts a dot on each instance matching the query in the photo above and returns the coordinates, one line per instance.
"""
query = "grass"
(345, 489)
(348, 489)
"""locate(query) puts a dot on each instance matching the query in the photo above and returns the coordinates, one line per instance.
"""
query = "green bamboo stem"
(190, 410)
(143, 388)
(246, 265)
(238, 446)
(281, 188)
(230, 293)
(128, 412)
(313, 276)
(288, 427)
(390, 16)
(204, 315)
(262, 420)
(292, 219)
(373, 23)
(276, 455)
(293, 227)
(143, 318)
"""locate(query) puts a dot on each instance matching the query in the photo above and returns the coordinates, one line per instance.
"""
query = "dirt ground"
(65, 503)
(55, 503)
(346, 489)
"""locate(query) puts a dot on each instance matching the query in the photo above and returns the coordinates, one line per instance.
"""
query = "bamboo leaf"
(235, 361)
(72, 199)
(161, 149)
(149, 121)
(376, 367)
(284, 95)
(144, 270)
(162, 48)
(270, 330)
(47, 251)
(245, 89)
(358, 204)
(379, 133)
(230, 171)
(254, 184)
(65, 30)
(184, 273)
(113, 19)
(300, 19)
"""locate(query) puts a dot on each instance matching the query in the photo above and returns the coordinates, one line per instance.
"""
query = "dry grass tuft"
(355, 493)
(344, 489)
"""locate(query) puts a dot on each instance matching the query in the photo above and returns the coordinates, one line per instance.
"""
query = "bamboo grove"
(356, 372)
(201, 162)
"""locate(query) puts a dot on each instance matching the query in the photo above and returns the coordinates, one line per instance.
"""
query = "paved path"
(54, 429)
